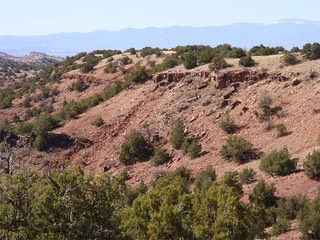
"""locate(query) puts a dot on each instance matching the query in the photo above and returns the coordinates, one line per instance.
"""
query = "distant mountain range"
(287, 33)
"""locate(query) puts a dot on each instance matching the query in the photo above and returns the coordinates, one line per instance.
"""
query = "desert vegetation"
(278, 163)
(113, 206)
(169, 172)
(237, 149)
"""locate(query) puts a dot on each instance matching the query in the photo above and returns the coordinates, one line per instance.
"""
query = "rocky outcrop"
(226, 79)
(221, 80)
(170, 77)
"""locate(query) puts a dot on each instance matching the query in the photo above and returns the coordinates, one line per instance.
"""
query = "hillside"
(34, 59)
(200, 97)
(18, 69)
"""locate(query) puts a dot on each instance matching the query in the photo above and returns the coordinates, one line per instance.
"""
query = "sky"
(41, 17)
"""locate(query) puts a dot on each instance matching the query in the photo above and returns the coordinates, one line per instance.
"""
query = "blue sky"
(38, 17)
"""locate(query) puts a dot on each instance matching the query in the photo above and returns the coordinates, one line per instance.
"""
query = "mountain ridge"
(33, 58)
(245, 35)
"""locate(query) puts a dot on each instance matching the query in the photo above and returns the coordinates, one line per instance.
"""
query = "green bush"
(87, 67)
(247, 176)
(289, 208)
(111, 68)
(311, 51)
(228, 124)
(16, 118)
(78, 86)
(289, 59)
(146, 51)
(98, 122)
(218, 63)
(40, 143)
(177, 134)
(237, 149)
(139, 75)
(189, 60)
(72, 109)
(180, 172)
(278, 163)
(160, 156)
(263, 195)
(281, 226)
(264, 105)
(111, 91)
(265, 51)
(237, 53)
(6, 97)
(192, 148)
(247, 61)
(185, 145)
(27, 102)
(133, 193)
(281, 130)
(295, 50)
(6, 126)
(309, 218)
(132, 51)
(204, 55)
(37, 111)
(270, 216)
(125, 60)
(44, 124)
(167, 63)
(205, 178)
(312, 165)
(265, 102)
(24, 128)
(135, 149)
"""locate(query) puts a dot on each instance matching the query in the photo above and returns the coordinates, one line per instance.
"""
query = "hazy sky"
(37, 17)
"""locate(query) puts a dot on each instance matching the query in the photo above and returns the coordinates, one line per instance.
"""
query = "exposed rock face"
(170, 77)
(221, 80)
(226, 79)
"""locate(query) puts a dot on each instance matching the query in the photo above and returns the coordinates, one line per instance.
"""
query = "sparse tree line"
(189, 56)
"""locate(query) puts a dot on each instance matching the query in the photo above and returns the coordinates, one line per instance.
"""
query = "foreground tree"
(16, 194)
(263, 195)
(160, 214)
(74, 206)
(219, 213)
(310, 220)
